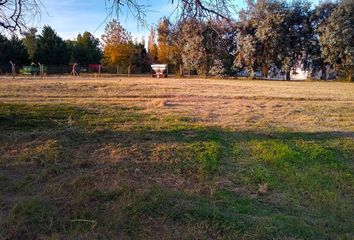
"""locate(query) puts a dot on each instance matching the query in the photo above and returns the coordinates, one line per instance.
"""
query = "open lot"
(141, 158)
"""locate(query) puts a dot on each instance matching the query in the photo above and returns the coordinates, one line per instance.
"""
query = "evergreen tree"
(85, 49)
(51, 49)
(12, 50)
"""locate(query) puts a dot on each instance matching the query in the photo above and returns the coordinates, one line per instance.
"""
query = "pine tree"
(51, 48)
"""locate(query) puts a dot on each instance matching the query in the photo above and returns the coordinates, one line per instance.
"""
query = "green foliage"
(86, 49)
(30, 42)
(260, 36)
(28, 218)
(202, 43)
(193, 51)
(51, 49)
(246, 54)
(114, 168)
(336, 38)
(12, 50)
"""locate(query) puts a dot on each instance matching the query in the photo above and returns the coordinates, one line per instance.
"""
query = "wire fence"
(71, 69)
(98, 70)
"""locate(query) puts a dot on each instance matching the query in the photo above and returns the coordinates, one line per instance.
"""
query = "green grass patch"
(71, 171)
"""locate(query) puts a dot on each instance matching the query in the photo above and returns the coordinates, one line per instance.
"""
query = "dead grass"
(175, 159)
(303, 106)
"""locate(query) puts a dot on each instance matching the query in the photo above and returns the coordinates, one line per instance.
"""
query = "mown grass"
(95, 172)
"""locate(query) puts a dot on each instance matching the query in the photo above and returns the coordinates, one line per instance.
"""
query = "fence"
(95, 69)
(98, 70)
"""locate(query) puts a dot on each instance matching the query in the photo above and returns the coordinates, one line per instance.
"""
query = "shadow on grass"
(69, 171)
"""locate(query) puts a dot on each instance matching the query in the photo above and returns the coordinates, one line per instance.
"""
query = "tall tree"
(296, 36)
(193, 49)
(152, 46)
(118, 45)
(17, 51)
(260, 32)
(86, 49)
(337, 39)
(30, 42)
(176, 47)
(51, 48)
(319, 18)
(246, 54)
(219, 43)
(164, 41)
(12, 50)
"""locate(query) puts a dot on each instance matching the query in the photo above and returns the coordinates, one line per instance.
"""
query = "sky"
(71, 17)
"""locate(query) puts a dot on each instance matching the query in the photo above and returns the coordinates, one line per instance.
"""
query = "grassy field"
(138, 158)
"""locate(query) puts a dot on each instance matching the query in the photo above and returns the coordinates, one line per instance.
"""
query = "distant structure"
(159, 70)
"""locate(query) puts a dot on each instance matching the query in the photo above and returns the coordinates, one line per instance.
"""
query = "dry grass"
(300, 106)
(141, 158)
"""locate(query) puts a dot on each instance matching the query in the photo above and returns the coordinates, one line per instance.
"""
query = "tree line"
(268, 36)
(49, 48)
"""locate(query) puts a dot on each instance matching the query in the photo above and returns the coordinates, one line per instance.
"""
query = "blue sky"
(70, 17)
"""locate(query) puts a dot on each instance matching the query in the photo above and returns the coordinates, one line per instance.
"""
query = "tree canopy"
(51, 49)
(118, 45)
(86, 49)
(337, 39)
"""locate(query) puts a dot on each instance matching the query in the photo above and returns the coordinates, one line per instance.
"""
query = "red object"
(94, 67)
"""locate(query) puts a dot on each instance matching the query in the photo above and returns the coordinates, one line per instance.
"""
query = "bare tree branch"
(224, 9)
(184, 9)
(15, 15)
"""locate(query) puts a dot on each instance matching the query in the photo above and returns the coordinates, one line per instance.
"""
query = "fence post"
(41, 69)
(117, 70)
(129, 71)
(13, 69)
(99, 71)
(74, 72)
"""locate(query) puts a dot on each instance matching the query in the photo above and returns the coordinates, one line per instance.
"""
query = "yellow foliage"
(121, 54)
(163, 53)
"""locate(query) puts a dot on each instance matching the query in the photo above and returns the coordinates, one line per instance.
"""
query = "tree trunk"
(265, 72)
(13, 69)
(324, 72)
(287, 76)
(350, 75)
